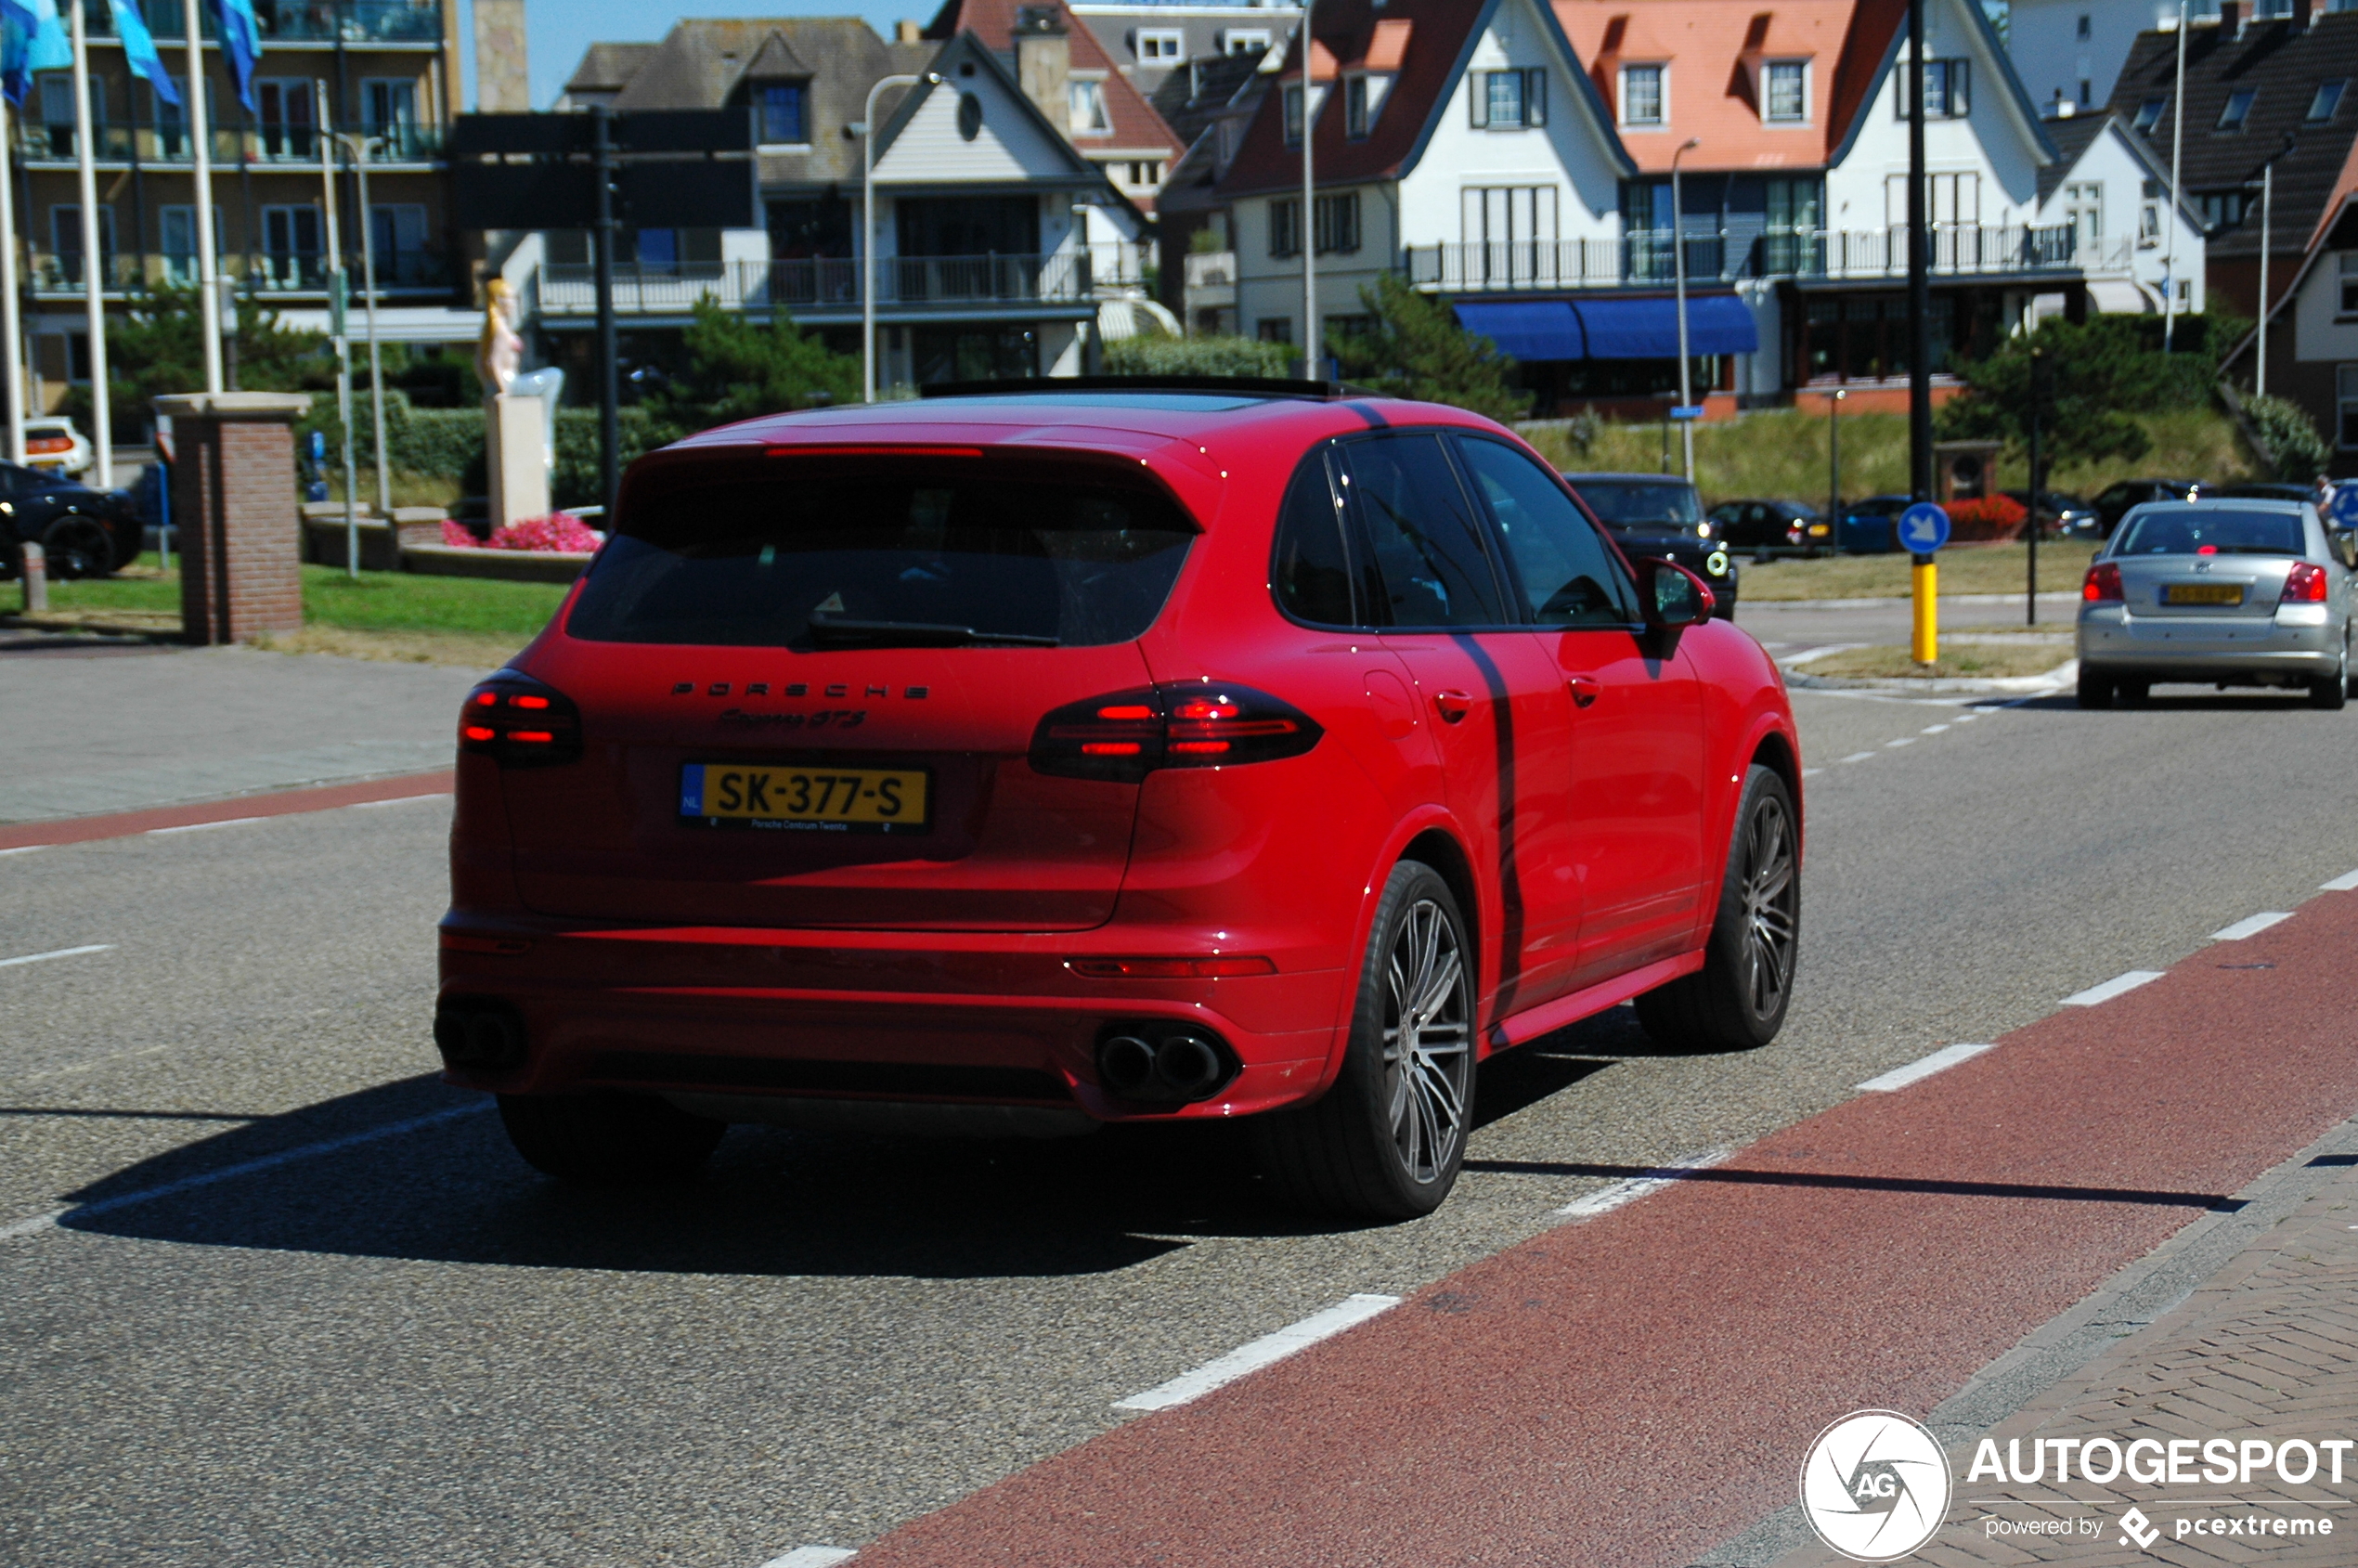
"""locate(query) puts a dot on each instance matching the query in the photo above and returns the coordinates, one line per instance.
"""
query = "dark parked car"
(1755, 525)
(86, 533)
(2261, 490)
(1864, 527)
(2058, 513)
(1652, 515)
(2113, 502)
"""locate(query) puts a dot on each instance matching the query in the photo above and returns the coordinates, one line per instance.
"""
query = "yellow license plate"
(806, 798)
(2202, 593)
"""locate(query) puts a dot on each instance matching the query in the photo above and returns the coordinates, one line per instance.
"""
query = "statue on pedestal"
(522, 409)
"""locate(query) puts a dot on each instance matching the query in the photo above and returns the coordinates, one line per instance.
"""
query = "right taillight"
(1126, 735)
(2104, 582)
(520, 723)
(2305, 584)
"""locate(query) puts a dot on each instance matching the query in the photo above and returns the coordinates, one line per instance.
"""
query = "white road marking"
(1347, 1314)
(812, 1557)
(39, 1223)
(1811, 772)
(24, 850)
(2346, 883)
(60, 952)
(2249, 926)
(1904, 740)
(95, 1062)
(1858, 757)
(445, 795)
(2117, 986)
(1920, 1068)
(201, 827)
(1606, 1199)
(1936, 729)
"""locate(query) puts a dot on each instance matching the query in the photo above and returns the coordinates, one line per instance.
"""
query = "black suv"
(2113, 502)
(1654, 514)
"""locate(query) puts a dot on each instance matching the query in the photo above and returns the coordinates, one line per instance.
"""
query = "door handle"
(1454, 706)
(1585, 690)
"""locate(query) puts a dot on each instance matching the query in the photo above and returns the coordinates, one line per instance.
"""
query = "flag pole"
(200, 146)
(11, 328)
(94, 297)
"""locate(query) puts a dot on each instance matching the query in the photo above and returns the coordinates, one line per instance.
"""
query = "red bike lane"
(1635, 1388)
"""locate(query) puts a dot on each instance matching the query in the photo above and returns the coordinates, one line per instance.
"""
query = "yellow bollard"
(1925, 648)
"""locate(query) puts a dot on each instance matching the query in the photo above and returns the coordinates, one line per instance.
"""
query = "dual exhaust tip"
(479, 1034)
(1163, 1063)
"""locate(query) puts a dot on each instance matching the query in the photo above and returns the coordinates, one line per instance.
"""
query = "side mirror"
(1674, 597)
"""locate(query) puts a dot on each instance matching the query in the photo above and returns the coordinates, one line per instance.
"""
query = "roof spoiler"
(1249, 386)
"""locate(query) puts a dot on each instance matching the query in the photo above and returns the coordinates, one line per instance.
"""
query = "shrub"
(2288, 439)
(558, 531)
(1197, 356)
(1986, 517)
(1413, 347)
(449, 443)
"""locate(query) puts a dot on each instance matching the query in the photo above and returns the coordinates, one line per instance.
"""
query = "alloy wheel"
(1773, 895)
(78, 548)
(1428, 1042)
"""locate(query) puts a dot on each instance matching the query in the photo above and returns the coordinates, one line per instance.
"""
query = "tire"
(2095, 690)
(1386, 1140)
(2132, 694)
(1737, 1001)
(608, 1139)
(2332, 692)
(78, 547)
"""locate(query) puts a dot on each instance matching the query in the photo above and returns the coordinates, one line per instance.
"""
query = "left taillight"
(520, 723)
(2305, 584)
(1126, 735)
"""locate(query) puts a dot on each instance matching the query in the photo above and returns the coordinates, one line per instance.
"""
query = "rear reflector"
(456, 942)
(519, 723)
(1126, 735)
(1169, 968)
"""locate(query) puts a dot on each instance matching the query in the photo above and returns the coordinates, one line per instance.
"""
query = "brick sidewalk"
(2267, 1348)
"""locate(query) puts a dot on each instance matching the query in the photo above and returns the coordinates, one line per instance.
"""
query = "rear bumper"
(963, 1019)
(2207, 648)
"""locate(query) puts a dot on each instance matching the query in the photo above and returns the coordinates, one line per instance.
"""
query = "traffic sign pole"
(1922, 530)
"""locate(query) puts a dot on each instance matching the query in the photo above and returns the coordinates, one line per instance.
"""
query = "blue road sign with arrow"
(1921, 529)
(2345, 505)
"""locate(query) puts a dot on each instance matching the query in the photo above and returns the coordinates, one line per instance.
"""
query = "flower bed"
(1985, 518)
(559, 533)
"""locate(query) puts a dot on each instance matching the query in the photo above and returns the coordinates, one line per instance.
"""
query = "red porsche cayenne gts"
(1018, 761)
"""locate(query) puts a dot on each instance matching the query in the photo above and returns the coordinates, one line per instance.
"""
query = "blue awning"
(1526, 328)
(1649, 329)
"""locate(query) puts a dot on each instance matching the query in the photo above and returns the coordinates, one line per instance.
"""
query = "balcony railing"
(295, 21)
(833, 282)
(263, 274)
(1645, 259)
(263, 143)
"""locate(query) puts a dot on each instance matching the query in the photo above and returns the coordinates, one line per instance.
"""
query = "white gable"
(1008, 144)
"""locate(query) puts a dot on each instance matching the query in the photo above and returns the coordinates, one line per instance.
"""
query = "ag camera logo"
(1876, 1485)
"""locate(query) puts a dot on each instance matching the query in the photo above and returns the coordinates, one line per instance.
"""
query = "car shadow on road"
(443, 1186)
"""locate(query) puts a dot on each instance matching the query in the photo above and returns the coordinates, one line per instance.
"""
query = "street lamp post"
(1311, 342)
(2267, 204)
(1678, 276)
(358, 148)
(1833, 472)
(2177, 146)
(866, 131)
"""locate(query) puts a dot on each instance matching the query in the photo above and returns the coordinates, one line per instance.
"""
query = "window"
(1285, 228)
(1642, 95)
(1787, 99)
(2346, 401)
(1312, 570)
(2149, 214)
(782, 123)
(287, 120)
(2084, 209)
(65, 238)
(1569, 577)
(1350, 327)
(290, 247)
(2149, 115)
(2328, 100)
(1245, 41)
(1336, 223)
(398, 241)
(2222, 209)
(1293, 113)
(2349, 283)
(1274, 329)
(180, 244)
(1085, 102)
(1948, 90)
(2087, 28)
(1145, 174)
(2087, 92)
(1507, 100)
(388, 103)
(1355, 106)
(1161, 46)
(1430, 566)
(2238, 108)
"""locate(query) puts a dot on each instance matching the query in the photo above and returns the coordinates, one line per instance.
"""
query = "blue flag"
(240, 40)
(139, 48)
(32, 37)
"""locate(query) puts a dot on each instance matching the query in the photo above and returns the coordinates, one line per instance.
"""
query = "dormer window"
(1085, 103)
(2149, 115)
(1355, 106)
(2238, 108)
(782, 107)
(1642, 95)
(1163, 47)
(1785, 97)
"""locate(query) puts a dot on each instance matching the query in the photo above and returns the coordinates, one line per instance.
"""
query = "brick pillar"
(234, 508)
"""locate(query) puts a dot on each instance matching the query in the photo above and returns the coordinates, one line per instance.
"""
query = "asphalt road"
(408, 1348)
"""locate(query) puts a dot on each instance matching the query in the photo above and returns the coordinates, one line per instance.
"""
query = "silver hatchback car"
(2226, 592)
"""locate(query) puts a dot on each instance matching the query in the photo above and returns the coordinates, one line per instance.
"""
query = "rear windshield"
(748, 563)
(2208, 532)
(1622, 503)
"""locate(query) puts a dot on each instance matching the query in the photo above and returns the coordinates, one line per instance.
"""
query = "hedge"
(449, 443)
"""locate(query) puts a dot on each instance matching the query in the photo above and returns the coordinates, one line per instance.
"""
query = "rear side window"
(1569, 577)
(748, 563)
(1429, 558)
(2208, 532)
(1632, 503)
(1310, 572)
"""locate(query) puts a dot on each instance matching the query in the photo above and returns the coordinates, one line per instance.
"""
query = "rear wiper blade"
(837, 632)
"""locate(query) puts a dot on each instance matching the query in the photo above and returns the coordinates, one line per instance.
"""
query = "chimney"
(502, 86)
(906, 31)
(2231, 17)
(1044, 60)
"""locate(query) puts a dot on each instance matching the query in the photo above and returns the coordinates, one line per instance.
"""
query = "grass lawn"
(1958, 658)
(466, 621)
(1981, 568)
